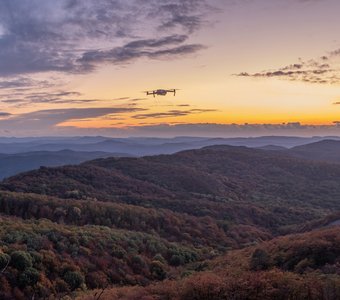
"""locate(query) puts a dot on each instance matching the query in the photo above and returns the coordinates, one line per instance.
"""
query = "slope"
(232, 184)
(304, 266)
(326, 150)
(136, 221)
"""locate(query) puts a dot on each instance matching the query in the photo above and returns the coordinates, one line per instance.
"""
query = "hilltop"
(326, 150)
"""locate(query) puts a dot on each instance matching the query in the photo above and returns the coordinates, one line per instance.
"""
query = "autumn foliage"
(217, 223)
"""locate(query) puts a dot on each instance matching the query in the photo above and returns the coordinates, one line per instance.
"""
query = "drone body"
(160, 92)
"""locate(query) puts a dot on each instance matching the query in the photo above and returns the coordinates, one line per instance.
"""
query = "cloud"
(150, 48)
(13, 101)
(30, 97)
(198, 129)
(23, 82)
(42, 97)
(56, 98)
(121, 98)
(129, 99)
(44, 120)
(155, 43)
(25, 97)
(187, 15)
(137, 99)
(234, 130)
(172, 113)
(177, 51)
(42, 36)
(323, 70)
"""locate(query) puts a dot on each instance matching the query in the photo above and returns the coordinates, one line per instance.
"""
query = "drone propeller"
(174, 91)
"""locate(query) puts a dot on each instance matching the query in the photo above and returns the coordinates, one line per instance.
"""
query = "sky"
(242, 67)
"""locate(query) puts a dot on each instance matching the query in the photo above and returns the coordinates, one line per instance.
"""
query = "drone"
(160, 92)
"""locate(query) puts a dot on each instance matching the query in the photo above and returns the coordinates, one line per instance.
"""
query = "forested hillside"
(326, 150)
(136, 221)
(253, 187)
(293, 267)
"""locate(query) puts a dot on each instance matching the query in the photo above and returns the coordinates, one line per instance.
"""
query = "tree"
(157, 270)
(138, 264)
(176, 260)
(29, 277)
(21, 260)
(95, 280)
(74, 279)
(260, 260)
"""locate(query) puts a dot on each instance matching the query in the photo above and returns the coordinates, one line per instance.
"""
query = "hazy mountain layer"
(11, 164)
(142, 146)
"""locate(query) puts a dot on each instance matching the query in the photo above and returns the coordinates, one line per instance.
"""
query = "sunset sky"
(243, 67)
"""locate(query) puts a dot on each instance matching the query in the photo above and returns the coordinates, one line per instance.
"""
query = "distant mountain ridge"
(215, 178)
(20, 155)
(143, 146)
(12, 164)
(326, 150)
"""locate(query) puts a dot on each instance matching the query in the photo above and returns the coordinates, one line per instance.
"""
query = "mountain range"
(143, 146)
(20, 155)
(211, 223)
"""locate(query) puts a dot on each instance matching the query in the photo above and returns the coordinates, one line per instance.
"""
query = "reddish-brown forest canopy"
(217, 223)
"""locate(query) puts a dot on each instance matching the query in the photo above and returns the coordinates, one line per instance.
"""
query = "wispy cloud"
(19, 97)
(150, 48)
(172, 113)
(34, 97)
(4, 114)
(44, 120)
(23, 82)
(322, 70)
